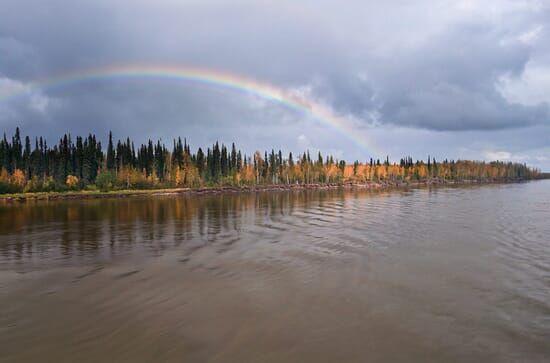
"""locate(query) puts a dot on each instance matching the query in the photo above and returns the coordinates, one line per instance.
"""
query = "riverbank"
(126, 193)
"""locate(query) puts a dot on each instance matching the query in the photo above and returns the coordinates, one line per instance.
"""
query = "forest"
(82, 164)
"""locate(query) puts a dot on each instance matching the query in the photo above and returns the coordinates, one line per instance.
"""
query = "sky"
(456, 79)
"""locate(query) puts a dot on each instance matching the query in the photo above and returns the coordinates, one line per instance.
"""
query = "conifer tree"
(110, 153)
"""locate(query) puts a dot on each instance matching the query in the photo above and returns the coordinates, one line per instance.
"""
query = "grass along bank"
(123, 193)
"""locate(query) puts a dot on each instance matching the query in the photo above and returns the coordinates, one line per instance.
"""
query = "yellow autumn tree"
(178, 177)
(72, 181)
(332, 173)
(348, 171)
(4, 176)
(18, 178)
(191, 176)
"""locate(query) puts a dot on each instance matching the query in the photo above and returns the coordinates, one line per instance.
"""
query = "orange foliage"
(71, 181)
(332, 172)
(4, 176)
(18, 178)
(179, 177)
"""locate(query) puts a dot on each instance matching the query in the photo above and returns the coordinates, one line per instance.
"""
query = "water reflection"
(104, 228)
(450, 274)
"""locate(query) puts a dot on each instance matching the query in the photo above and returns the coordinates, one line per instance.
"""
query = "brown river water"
(443, 275)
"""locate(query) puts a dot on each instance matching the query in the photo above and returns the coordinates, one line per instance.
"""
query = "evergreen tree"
(200, 162)
(233, 164)
(27, 157)
(85, 158)
(110, 153)
(17, 150)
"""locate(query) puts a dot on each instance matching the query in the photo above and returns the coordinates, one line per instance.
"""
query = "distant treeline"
(82, 163)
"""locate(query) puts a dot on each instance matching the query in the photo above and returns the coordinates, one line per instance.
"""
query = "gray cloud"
(433, 66)
(448, 82)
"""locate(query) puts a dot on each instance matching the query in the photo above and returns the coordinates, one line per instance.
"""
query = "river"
(448, 274)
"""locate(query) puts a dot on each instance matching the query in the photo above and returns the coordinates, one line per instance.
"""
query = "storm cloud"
(431, 70)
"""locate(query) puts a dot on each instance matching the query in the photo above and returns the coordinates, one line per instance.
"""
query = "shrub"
(131, 178)
(8, 188)
(90, 187)
(34, 185)
(105, 181)
(49, 185)
(72, 182)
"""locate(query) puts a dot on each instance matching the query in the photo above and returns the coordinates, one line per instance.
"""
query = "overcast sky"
(452, 79)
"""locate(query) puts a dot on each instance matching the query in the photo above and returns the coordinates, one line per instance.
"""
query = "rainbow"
(213, 78)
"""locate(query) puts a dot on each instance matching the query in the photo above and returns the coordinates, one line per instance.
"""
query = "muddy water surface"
(447, 274)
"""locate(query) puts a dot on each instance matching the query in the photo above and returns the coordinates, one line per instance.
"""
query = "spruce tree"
(110, 153)
(27, 157)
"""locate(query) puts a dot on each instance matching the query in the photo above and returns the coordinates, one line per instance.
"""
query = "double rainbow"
(213, 78)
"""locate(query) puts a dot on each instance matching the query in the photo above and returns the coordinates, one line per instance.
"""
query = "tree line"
(82, 163)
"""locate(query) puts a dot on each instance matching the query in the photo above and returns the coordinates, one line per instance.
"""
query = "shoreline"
(127, 193)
